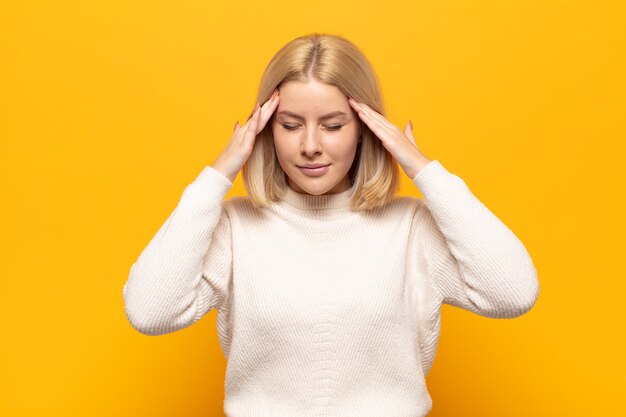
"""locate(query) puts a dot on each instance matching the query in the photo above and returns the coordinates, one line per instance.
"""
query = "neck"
(323, 201)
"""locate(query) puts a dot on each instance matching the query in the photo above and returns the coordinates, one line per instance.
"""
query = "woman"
(328, 286)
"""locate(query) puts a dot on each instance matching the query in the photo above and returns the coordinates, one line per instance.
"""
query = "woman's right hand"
(239, 148)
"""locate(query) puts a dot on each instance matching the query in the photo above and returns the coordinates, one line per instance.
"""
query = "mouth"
(314, 172)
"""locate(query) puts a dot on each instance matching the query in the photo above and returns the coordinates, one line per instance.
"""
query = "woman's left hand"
(401, 146)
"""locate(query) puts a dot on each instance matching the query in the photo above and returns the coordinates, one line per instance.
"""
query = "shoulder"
(239, 203)
(416, 209)
(242, 208)
(401, 211)
(404, 204)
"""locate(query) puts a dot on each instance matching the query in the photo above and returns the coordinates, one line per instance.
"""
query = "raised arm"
(474, 260)
(185, 269)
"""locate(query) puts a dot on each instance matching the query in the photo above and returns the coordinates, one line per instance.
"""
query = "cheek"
(276, 136)
(279, 141)
(346, 145)
(282, 146)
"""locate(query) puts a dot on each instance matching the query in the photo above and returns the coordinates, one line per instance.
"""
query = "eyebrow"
(324, 117)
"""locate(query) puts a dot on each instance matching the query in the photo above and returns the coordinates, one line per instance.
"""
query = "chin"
(308, 187)
(313, 190)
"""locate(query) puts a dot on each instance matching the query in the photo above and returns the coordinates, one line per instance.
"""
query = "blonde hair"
(334, 60)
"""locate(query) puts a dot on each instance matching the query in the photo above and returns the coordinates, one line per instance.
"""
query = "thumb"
(408, 131)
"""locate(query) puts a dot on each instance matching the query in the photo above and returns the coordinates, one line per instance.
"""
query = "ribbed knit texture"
(322, 311)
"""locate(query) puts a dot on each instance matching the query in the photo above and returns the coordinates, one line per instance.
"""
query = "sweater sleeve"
(474, 260)
(185, 269)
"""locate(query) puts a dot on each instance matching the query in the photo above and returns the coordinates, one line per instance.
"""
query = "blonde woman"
(328, 287)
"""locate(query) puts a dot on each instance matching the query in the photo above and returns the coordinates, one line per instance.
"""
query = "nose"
(311, 143)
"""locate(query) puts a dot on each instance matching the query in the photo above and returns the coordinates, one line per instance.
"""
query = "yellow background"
(109, 109)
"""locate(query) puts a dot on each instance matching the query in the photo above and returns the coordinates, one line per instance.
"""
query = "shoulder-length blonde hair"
(334, 60)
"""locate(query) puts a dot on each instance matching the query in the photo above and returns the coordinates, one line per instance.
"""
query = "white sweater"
(322, 311)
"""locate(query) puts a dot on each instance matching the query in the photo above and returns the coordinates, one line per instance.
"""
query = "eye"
(290, 127)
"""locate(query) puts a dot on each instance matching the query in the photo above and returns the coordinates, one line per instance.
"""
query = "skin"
(311, 139)
(314, 141)
(400, 144)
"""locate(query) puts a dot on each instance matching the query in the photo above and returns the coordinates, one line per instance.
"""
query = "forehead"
(311, 98)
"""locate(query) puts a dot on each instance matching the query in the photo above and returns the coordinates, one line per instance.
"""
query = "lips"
(314, 172)
(313, 165)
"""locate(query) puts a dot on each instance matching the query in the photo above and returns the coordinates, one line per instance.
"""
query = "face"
(315, 125)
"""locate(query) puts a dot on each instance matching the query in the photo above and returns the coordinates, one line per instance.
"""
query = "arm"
(185, 269)
(475, 261)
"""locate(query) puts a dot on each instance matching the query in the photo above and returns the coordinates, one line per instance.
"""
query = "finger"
(270, 101)
(408, 131)
(376, 129)
(236, 125)
(267, 109)
(246, 125)
(379, 130)
(251, 132)
(375, 116)
(267, 113)
(250, 116)
(361, 111)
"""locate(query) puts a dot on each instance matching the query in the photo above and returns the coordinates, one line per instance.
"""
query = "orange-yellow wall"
(108, 109)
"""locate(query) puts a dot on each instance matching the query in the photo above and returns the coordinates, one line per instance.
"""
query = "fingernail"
(410, 124)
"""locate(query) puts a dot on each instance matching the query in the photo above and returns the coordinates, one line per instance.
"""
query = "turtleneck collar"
(324, 201)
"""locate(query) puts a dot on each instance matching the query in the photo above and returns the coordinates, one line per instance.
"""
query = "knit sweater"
(322, 311)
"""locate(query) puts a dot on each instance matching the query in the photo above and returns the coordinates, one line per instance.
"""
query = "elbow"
(522, 298)
(529, 291)
(140, 318)
(526, 302)
(142, 322)
(149, 319)
(523, 290)
(145, 326)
